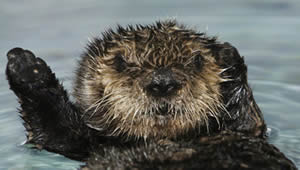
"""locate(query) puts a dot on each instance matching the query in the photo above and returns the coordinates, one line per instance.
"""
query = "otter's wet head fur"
(156, 81)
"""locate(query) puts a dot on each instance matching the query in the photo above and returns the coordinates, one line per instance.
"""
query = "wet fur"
(113, 122)
(119, 100)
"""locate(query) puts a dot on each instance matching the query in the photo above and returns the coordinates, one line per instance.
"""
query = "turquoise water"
(266, 33)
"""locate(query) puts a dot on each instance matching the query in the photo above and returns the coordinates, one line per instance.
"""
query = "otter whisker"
(98, 102)
(114, 132)
(132, 120)
(207, 124)
(224, 109)
(224, 70)
(99, 105)
(92, 105)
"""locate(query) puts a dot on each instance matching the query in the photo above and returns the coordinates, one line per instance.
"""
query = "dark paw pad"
(24, 69)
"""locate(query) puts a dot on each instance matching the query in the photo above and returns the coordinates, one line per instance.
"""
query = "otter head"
(158, 81)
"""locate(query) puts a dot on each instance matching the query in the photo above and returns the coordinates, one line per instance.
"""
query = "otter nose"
(162, 83)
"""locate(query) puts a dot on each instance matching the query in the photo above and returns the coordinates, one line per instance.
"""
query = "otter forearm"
(51, 120)
(53, 123)
(245, 115)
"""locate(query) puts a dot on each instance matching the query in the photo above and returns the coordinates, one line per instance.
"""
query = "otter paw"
(229, 55)
(26, 70)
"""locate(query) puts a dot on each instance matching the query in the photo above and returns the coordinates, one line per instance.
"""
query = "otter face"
(156, 81)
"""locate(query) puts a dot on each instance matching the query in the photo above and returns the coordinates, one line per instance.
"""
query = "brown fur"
(118, 101)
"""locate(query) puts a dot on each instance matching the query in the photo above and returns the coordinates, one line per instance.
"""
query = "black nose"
(162, 83)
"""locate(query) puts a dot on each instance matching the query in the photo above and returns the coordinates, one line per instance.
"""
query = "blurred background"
(265, 32)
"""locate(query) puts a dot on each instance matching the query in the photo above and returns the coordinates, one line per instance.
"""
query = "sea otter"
(156, 96)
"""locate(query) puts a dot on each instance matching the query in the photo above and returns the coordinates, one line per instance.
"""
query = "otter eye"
(198, 61)
(120, 63)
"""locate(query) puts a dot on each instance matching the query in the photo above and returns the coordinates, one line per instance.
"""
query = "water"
(266, 33)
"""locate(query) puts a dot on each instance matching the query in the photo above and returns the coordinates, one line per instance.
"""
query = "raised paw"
(25, 71)
(229, 55)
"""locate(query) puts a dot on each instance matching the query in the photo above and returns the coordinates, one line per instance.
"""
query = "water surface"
(266, 33)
